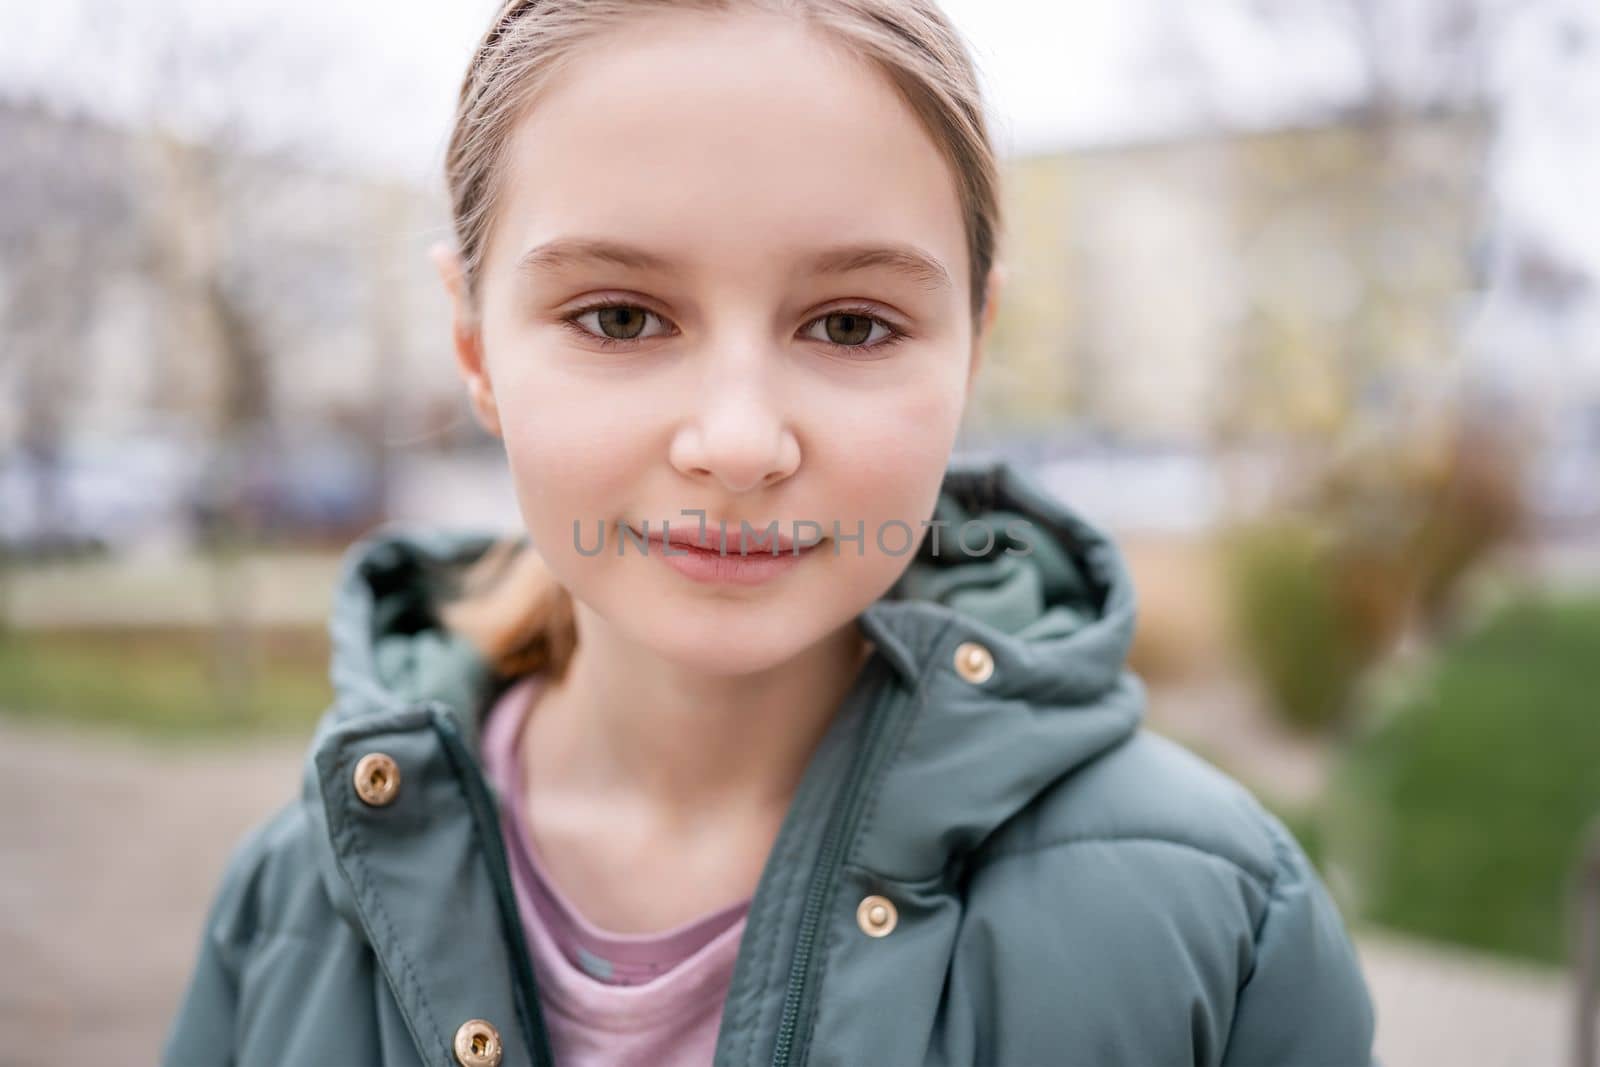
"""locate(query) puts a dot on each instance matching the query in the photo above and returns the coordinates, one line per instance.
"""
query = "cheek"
(890, 449)
(564, 466)
(885, 463)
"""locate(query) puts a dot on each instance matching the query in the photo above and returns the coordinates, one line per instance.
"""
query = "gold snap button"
(477, 1044)
(974, 662)
(377, 779)
(876, 916)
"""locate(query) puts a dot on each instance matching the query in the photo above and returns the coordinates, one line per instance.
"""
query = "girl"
(792, 741)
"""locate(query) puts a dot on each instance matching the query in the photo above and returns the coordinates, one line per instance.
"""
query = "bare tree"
(59, 239)
(198, 178)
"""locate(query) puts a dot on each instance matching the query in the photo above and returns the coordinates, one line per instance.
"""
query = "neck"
(628, 725)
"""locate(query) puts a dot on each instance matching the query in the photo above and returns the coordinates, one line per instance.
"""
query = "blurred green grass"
(157, 681)
(1460, 812)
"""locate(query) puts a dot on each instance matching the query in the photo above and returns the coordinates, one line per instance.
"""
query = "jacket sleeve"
(205, 1029)
(1304, 1002)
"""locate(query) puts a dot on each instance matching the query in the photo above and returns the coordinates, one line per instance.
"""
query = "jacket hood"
(1015, 570)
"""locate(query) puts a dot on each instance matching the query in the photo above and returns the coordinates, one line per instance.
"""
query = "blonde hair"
(519, 615)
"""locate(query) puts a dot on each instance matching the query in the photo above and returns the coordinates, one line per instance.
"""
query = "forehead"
(730, 141)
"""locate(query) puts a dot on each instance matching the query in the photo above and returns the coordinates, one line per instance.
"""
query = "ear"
(467, 337)
(991, 305)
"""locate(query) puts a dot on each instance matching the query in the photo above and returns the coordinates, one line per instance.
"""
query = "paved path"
(1443, 1007)
(110, 850)
(110, 853)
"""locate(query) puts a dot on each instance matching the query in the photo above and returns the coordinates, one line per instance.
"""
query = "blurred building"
(188, 322)
(1267, 283)
(147, 279)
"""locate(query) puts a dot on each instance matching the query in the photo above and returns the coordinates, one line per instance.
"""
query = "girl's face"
(728, 274)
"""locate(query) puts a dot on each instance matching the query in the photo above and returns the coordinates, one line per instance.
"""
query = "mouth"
(702, 557)
(730, 541)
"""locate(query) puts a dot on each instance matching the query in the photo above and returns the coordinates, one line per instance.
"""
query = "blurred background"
(1304, 306)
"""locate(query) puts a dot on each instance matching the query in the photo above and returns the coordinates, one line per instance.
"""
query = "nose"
(738, 435)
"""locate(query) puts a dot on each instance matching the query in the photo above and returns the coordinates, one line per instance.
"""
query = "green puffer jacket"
(1066, 886)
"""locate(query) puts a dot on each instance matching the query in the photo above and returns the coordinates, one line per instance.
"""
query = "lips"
(756, 542)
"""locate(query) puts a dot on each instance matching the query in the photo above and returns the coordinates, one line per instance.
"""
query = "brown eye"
(857, 330)
(615, 324)
(848, 328)
(621, 322)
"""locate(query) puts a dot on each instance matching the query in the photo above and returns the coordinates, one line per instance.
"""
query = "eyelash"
(895, 335)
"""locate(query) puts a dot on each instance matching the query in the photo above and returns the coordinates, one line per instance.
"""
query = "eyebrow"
(841, 259)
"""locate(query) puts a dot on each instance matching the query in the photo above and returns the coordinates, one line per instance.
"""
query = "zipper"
(824, 879)
(481, 804)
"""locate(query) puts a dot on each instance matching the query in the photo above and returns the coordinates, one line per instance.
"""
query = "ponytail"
(515, 611)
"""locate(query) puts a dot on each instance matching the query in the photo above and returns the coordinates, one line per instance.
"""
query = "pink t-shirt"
(609, 999)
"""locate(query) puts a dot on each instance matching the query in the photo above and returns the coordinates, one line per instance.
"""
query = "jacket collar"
(1053, 604)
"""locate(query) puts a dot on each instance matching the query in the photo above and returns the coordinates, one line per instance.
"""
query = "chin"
(730, 663)
(724, 644)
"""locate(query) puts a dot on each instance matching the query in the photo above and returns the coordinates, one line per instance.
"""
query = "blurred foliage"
(157, 680)
(1378, 543)
(1281, 586)
(1180, 634)
(1459, 814)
